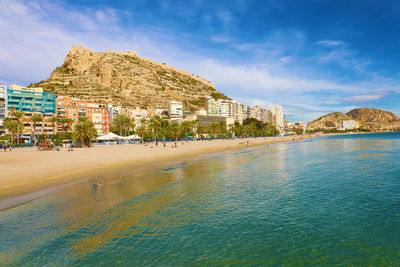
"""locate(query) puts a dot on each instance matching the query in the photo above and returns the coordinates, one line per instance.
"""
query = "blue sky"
(312, 56)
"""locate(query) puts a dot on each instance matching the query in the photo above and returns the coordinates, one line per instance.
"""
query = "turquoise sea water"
(326, 201)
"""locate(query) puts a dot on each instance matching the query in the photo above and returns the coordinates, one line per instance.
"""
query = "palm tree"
(187, 128)
(36, 117)
(201, 130)
(175, 130)
(164, 126)
(12, 126)
(66, 124)
(84, 131)
(54, 120)
(141, 131)
(154, 125)
(18, 115)
(123, 124)
(213, 129)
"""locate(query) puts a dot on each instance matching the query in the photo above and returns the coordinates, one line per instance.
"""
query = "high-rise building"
(3, 107)
(222, 107)
(175, 110)
(235, 111)
(211, 106)
(277, 115)
(244, 111)
(266, 115)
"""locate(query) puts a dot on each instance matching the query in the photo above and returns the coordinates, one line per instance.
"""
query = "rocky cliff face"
(124, 79)
(368, 118)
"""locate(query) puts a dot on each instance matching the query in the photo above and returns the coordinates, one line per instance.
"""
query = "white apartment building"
(222, 107)
(3, 106)
(211, 106)
(235, 111)
(349, 124)
(175, 110)
(278, 118)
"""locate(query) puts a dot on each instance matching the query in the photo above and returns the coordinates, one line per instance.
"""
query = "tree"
(18, 115)
(154, 124)
(66, 124)
(12, 126)
(187, 128)
(36, 117)
(84, 131)
(54, 120)
(175, 130)
(164, 126)
(141, 131)
(123, 124)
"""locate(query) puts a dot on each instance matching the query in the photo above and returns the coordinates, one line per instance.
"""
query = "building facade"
(211, 106)
(278, 119)
(207, 120)
(349, 124)
(31, 100)
(3, 107)
(175, 110)
(74, 108)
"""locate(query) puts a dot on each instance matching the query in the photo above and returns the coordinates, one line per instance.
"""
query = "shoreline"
(28, 171)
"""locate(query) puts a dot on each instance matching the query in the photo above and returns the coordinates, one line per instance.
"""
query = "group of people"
(5, 147)
(164, 144)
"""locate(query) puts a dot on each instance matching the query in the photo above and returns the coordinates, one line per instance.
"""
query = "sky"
(312, 56)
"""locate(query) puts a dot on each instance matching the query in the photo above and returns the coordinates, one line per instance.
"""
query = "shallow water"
(324, 201)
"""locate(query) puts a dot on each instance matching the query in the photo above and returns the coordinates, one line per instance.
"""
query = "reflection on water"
(331, 200)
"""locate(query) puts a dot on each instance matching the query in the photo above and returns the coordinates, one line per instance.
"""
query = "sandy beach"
(28, 170)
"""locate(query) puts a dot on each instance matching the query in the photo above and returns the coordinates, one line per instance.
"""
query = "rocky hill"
(124, 79)
(330, 121)
(367, 118)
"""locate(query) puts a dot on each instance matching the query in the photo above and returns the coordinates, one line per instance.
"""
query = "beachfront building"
(115, 111)
(74, 108)
(278, 118)
(207, 120)
(266, 115)
(235, 111)
(211, 106)
(175, 110)
(31, 100)
(244, 111)
(29, 129)
(222, 107)
(3, 107)
(138, 115)
(98, 114)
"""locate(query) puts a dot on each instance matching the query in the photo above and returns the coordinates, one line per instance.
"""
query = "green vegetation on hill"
(218, 95)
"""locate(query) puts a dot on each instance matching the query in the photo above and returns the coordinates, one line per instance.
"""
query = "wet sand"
(25, 171)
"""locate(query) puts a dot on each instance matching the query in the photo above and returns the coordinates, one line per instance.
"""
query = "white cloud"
(362, 98)
(36, 37)
(286, 59)
(330, 43)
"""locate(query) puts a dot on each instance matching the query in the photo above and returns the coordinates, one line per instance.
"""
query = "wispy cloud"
(330, 43)
(363, 98)
(282, 66)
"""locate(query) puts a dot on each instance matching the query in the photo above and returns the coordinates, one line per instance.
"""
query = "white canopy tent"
(109, 136)
(114, 137)
(134, 137)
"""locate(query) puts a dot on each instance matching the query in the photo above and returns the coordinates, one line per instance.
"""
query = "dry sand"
(28, 170)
